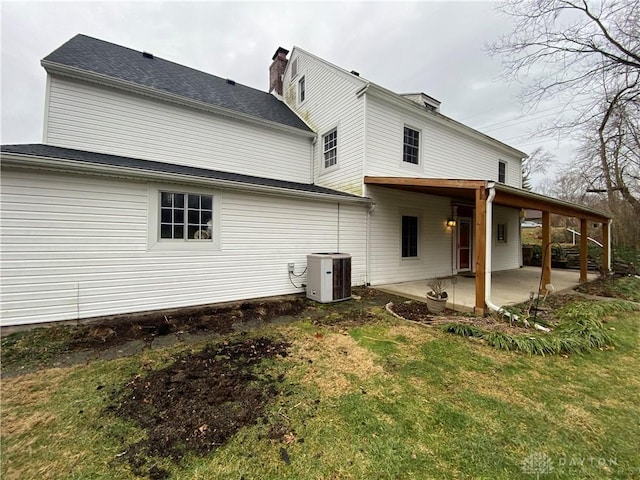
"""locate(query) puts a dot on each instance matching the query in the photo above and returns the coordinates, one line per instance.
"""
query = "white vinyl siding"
(444, 152)
(77, 246)
(331, 100)
(506, 254)
(106, 120)
(434, 238)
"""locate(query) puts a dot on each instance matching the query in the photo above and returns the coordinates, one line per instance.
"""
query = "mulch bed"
(197, 403)
(418, 312)
(211, 319)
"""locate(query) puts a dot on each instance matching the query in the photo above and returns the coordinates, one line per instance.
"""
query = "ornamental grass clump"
(579, 329)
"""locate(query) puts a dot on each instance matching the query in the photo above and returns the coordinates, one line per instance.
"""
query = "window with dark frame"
(502, 172)
(501, 234)
(294, 68)
(409, 236)
(330, 148)
(411, 146)
(302, 92)
(186, 216)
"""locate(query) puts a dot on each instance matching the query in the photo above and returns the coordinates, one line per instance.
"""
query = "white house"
(160, 186)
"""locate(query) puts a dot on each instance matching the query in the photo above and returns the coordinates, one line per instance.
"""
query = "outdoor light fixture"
(451, 222)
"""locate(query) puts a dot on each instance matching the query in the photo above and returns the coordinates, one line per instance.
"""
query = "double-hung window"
(302, 90)
(502, 171)
(409, 236)
(501, 233)
(411, 146)
(330, 148)
(186, 216)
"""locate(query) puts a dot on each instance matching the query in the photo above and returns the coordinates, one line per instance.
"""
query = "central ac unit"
(329, 277)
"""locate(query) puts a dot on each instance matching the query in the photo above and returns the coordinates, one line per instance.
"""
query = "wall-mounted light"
(451, 223)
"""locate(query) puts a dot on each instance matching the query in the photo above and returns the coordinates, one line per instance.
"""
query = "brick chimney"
(276, 70)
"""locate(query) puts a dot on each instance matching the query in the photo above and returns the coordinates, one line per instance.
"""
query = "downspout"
(489, 250)
(368, 245)
(488, 247)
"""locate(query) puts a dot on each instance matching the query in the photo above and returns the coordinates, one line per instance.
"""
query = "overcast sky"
(433, 47)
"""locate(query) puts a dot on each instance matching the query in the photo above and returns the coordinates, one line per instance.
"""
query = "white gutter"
(72, 166)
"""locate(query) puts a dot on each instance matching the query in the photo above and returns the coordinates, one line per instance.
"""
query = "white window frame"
(154, 219)
(420, 142)
(506, 169)
(302, 89)
(334, 149)
(505, 236)
(294, 68)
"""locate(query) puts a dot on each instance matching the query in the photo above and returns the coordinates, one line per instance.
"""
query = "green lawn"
(385, 399)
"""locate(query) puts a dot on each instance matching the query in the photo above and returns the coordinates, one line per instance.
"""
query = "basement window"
(186, 216)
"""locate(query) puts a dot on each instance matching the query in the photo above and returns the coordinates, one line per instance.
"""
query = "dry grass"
(336, 362)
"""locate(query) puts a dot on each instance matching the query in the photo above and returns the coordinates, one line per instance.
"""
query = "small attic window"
(294, 67)
(147, 55)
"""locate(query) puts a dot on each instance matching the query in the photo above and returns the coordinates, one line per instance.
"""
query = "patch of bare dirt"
(602, 287)
(418, 312)
(414, 311)
(211, 319)
(197, 403)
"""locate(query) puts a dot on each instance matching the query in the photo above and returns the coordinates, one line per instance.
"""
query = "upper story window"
(302, 90)
(186, 216)
(411, 148)
(409, 236)
(294, 67)
(330, 148)
(502, 171)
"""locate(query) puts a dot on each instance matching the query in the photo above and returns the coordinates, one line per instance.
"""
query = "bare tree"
(569, 48)
(536, 163)
(587, 55)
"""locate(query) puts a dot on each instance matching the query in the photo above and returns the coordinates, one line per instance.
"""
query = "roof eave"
(20, 160)
(81, 74)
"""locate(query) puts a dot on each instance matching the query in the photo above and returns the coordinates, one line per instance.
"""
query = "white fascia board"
(79, 74)
(406, 104)
(72, 166)
(356, 79)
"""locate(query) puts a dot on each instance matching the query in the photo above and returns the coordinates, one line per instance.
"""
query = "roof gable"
(97, 56)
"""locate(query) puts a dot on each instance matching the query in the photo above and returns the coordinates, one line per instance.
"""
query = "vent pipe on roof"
(353, 72)
(147, 55)
(231, 82)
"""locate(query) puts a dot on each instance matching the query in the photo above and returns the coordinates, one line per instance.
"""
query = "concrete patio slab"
(508, 287)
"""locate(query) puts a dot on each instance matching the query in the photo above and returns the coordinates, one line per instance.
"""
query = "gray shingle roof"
(97, 56)
(84, 157)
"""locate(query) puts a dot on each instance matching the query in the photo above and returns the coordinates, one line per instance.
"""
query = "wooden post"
(546, 250)
(480, 249)
(606, 266)
(584, 240)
